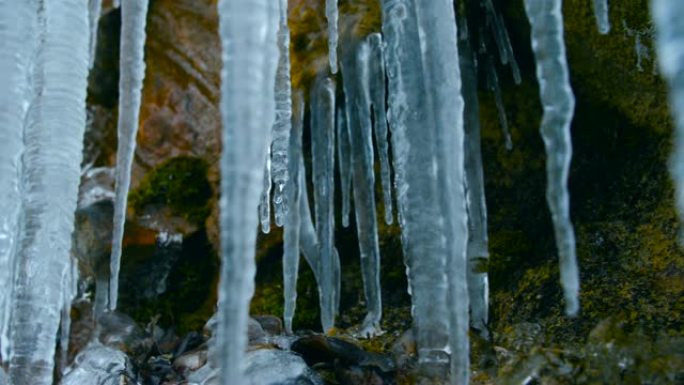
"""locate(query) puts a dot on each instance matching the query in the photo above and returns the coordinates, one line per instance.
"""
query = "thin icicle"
(601, 13)
(356, 72)
(495, 87)
(414, 160)
(344, 160)
(668, 16)
(331, 13)
(323, 160)
(265, 201)
(478, 250)
(292, 215)
(283, 120)
(546, 21)
(502, 39)
(132, 72)
(54, 141)
(69, 290)
(94, 11)
(250, 55)
(377, 90)
(17, 29)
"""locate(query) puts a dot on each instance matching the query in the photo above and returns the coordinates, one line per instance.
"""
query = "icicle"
(377, 89)
(265, 201)
(249, 52)
(116, 3)
(69, 289)
(478, 250)
(502, 40)
(344, 159)
(601, 13)
(323, 160)
(436, 21)
(292, 215)
(355, 69)
(546, 21)
(495, 87)
(132, 72)
(17, 22)
(414, 161)
(94, 11)
(54, 141)
(331, 13)
(283, 122)
(668, 16)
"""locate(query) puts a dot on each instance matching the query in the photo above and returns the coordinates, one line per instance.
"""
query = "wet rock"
(255, 333)
(271, 367)
(190, 361)
(158, 370)
(271, 324)
(97, 365)
(191, 341)
(120, 332)
(318, 348)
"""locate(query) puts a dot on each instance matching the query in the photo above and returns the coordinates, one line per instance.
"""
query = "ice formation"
(344, 160)
(478, 248)
(356, 68)
(323, 170)
(601, 13)
(668, 16)
(265, 201)
(54, 138)
(332, 14)
(94, 10)
(97, 365)
(546, 21)
(17, 20)
(132, 73)
(283, 119)
(248, 32)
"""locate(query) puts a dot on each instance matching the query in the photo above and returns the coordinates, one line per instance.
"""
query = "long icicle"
(546, 21)
(478, 250)
(332, 14)
(132, 72)
(17, 22)
(344, 160)
(249, 52)
(283, 120)
(419, 210)
(291, 229)
(323, 159)
(376, 75)
(668, 16)
(94, 11)
(54, 141)
(355, 69)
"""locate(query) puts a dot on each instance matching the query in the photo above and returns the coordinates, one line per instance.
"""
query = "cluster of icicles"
(432, 113)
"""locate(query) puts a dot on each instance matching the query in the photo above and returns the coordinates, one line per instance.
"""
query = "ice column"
(376, 75)
(601, 13)
(355, 69)
(132, 72)
(414, 150)
(292, 215)
(478, 250)
(323, 160)
(248, 32)
(546, 21)
(436, 21)
(668, 16)
(283, 119)
(17, 31)
(331, 13)
(54, 141)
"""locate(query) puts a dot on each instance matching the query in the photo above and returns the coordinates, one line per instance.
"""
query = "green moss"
(180, 184)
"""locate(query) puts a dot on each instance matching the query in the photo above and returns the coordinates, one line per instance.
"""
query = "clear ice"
(601, 13)
(52, 156)
(94, 11)
(248, 32)
(17, 21)
(283, 119)
(132, 73)
(376, 73)
(344, 160)
(356, 71)
(546, 21)
(323, 161)
(265, 201)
